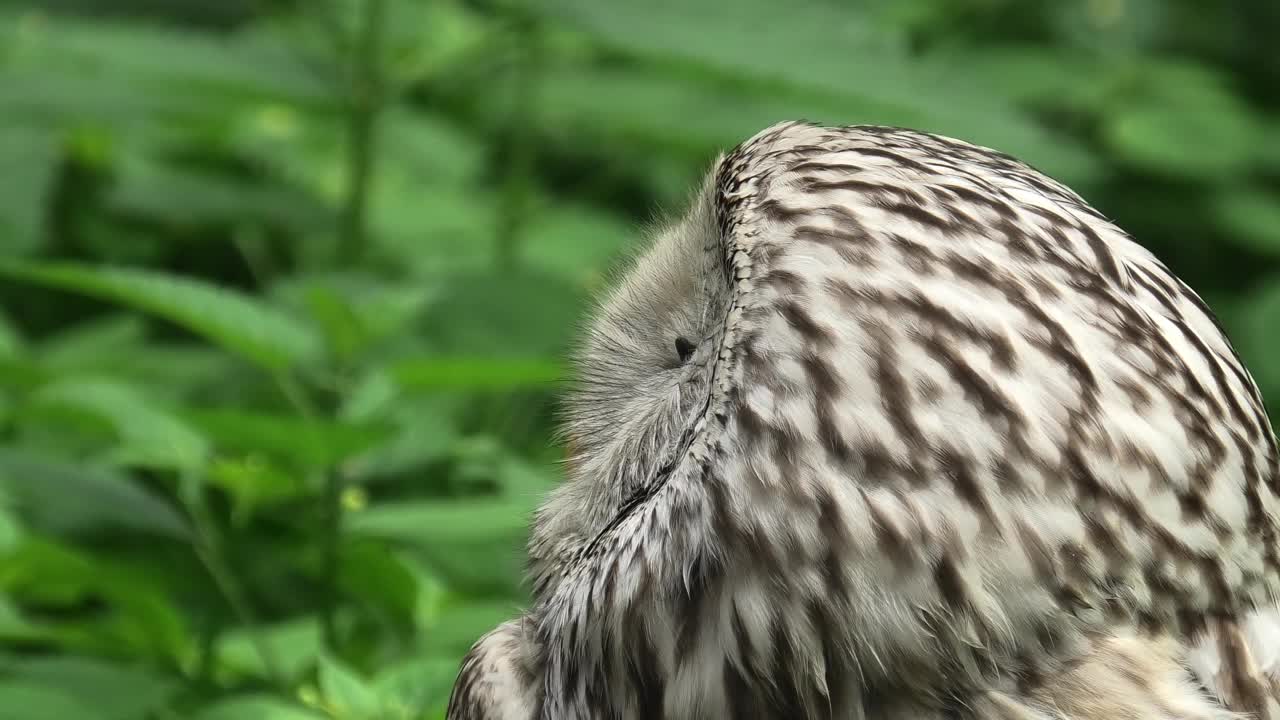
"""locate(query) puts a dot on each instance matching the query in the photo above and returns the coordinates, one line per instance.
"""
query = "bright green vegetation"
(287, 286)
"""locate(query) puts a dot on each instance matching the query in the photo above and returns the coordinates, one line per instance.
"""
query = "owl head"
(642, 370)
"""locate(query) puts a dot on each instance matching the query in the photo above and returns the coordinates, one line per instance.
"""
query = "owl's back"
(1008, 422)
(963, 447)
(953, 345)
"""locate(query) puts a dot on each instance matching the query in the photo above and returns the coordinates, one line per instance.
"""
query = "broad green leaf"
(11, 529)
(483, 568)
(425, 430)
(576, 243)
(477, 373)
(24, 195)
(116, 691)
(429, 151)
(484, 460)
(1184, 121)
(256, 707)
(358, 311)
(292, 647)
(458, 626)
(78, 346)
(1269, 147)
(117, 345)
(202, 64)
(22, 700)
(414, 686)
(1192, 144)
(236, 321)
(184, 196)
(255, 483)
(59, 496)
(40, 88)
(308, 443)
(13, 624)
(835, 50)
(524, 314)
(12, 342)
(138, 618)
(442, 523)
(1041, 76)
(435, 231)
(347, 696)
(148, 435)
(616, 103)
(812, 44)
(1251, 216)
(1255, 320)
(379, 578)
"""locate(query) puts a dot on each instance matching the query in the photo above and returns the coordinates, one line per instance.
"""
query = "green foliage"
(288, 288)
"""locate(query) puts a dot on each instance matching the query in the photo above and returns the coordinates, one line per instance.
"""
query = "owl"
(893, 426)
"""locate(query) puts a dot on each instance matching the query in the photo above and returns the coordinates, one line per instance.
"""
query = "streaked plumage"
(945, 443)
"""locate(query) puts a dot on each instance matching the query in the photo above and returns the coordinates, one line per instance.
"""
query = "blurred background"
(286, 286)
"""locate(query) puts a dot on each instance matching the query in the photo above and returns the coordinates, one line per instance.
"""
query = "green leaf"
(443, 523)
(116, 345)
(21, 700)
(292, 647)
(77, 346)
(186, 196)
(429, 151)
(1184, 121)
(1255, 320)
(307, 443)
(13, 624)
(11, 530)
(835, 51)
(1040, 75)
(425, 430)
(114, 691)
(254, 483)
(1251, 216)
(458, 627)
(520, 315)
(256, 707)
(417, 685)
(615, 103)
(437, 231)
(358, 311)
(812, 44)
(155, 57)
(24, 195)
(1186, 143)
(477, 373)
(375, 575)
(347, 695)
(238, 322)
(576, 243)
(59, 496)
(137, 618)
(148, 435)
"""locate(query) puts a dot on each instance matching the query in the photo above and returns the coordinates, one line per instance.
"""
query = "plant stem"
(365, 103)
(209, 552)
(515, 200)
(331, 509)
